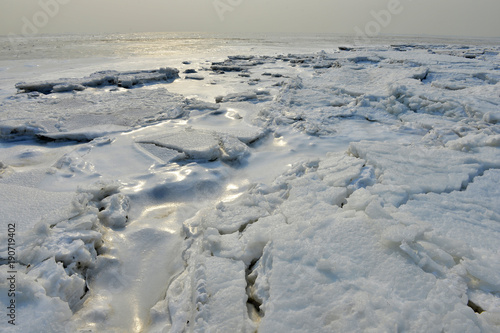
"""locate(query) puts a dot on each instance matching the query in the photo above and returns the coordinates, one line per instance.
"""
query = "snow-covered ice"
(120, 79)
(347, 190)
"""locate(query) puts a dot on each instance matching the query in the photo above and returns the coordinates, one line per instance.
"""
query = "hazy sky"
(429, 17)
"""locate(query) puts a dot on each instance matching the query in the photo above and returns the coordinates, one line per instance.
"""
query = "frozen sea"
(162, 182)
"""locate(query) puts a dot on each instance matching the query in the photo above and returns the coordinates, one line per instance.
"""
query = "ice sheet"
(353, 189)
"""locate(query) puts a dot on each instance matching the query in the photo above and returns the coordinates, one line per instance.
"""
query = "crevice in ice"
(85, 292)
(463, 188)
(254, 312)
(45, 138)
(475, 307)
(244, 226)
(254, 304)
(371, 120)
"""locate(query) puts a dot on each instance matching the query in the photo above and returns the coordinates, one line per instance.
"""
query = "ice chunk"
(57, 283)
(122, 79)
(195, 77)
(418, 169)
(199, 144)
(195, 144)
(471, 215)
(14, 129)
(471, 141)
(114, 210)
(68, 87)
(255, 95)
(84, 134)
(194, 104)
(49, 314)
(90, 114)
(232, 148)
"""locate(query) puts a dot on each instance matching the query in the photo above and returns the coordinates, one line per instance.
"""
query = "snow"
(351, 189)
(27, 205)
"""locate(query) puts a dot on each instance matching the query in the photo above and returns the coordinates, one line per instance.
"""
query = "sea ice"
(121, 79)
(352, 190)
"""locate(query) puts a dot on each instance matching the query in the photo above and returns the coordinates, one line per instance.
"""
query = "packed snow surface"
(348, 190)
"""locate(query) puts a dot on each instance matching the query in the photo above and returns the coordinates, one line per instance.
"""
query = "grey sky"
(430, 17)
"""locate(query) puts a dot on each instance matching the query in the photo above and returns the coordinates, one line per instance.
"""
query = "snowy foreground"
(349, 191)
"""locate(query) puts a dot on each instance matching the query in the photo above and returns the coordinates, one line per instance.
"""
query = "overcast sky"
(417, 17)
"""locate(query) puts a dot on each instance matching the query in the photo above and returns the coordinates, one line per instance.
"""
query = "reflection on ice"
(280, 142)
(233, 114)
(179, 175)
(231, 187)
(134, 186)
(233, 191)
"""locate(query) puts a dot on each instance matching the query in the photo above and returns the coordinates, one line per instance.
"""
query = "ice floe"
(104, 78)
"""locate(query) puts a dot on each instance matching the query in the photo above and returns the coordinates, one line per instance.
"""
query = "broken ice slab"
(85, 134)
(255, 95)
(195, 77)
(125, 79)
(196, 144)
(166, 155)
